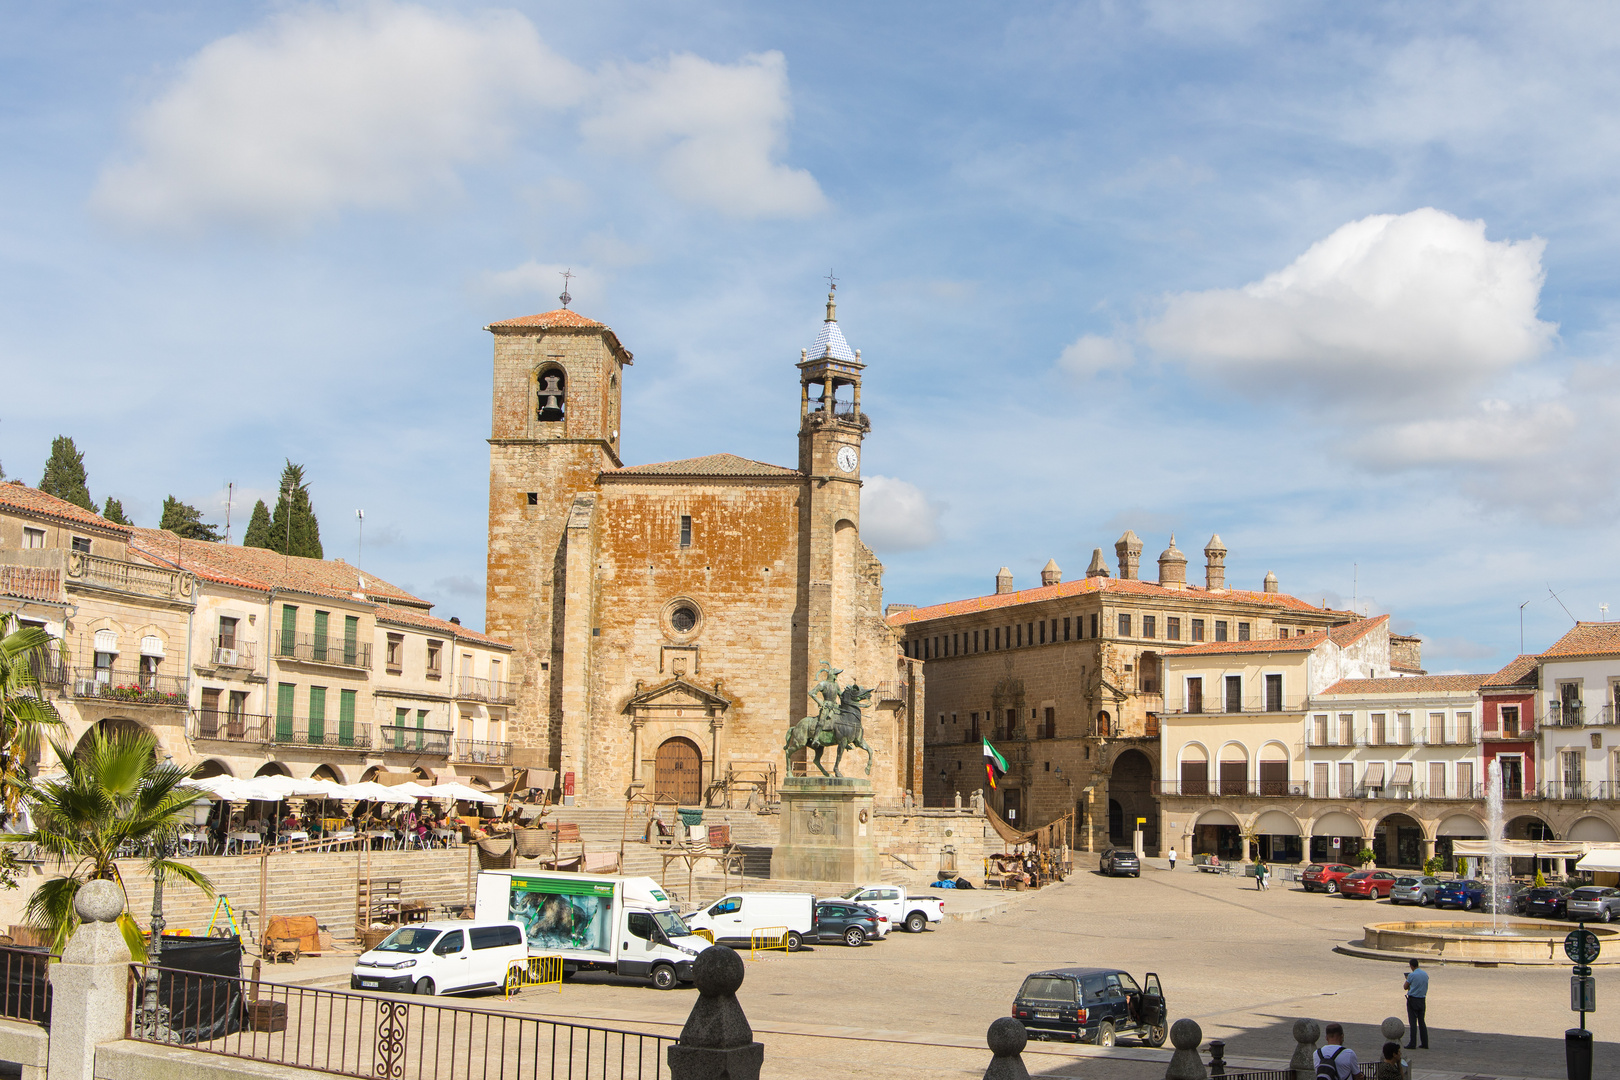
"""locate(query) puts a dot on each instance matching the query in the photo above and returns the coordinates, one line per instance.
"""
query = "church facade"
(669, 620)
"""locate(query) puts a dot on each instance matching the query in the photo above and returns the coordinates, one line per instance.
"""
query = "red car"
(1370, 884)
(1325, 876)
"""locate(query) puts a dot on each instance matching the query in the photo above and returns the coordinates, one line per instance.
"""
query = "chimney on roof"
(1271, 582)
(1215, 564)
(1003, 581)
(1128, 548)
(456, 619)
(1098, 568)
(1173, 567)
(1051, 573)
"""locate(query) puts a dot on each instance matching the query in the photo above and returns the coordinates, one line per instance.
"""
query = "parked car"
(902, 908)
(733, 919)
(1120, 862)
(1464, 893)
(1508, 898)
(441, 958)
(1368, 884)
(1544, 901)
(1096, 1005)
(838, 920)
(1593, 902)
(1325, 877)
(1414, 890)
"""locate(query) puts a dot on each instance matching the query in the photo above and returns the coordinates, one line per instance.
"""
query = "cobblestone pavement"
(1244, 964)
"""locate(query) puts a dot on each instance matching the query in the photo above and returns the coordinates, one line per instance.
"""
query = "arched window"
(551, 390)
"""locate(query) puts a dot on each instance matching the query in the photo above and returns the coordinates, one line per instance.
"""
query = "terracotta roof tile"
(1412, 684)
(260, 568)
(1302, 643)
(1588, 639)
(19, 496)
(1520, 671)
(404, 616)
(1081, 586)
(1350, 633)
(560, 317)
(31, 583)
(708, 465)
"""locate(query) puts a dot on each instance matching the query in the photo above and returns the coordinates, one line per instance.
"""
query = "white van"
(441, 958)
(732, 919)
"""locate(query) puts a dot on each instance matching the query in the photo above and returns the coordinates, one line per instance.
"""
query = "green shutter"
(317, 715)
(320, 634)
(421, 722)
(351, 639)
(289, 629)
(346, 718)
(284, 711)
(400, 716)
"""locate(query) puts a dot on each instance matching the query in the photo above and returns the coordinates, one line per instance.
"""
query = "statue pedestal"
(828, 831)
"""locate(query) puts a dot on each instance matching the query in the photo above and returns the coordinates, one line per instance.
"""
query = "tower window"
(683, 619)
(534, 498)
(551, 390)
(686, 530)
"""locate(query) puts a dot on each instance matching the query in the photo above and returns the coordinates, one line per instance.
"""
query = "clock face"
(846, 458)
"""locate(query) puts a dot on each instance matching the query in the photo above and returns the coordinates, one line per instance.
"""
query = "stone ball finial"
(718, 971)
(1006, 1037)
(1186, 1035)
(1307, 1031)
(99, 901)
(1393, 1028)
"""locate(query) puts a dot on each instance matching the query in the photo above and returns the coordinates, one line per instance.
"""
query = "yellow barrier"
(767, 939)
(706, 935)
(535, 971)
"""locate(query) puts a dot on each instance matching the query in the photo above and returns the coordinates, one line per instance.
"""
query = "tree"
(185, 521)
(24, 709)
(113, 792)
(302, 534)
(64, 474)
(258, 530)
(114, 512)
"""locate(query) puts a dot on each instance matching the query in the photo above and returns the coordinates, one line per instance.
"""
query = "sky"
(1333, 281)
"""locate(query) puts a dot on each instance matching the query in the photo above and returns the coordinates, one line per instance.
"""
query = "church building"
(669, 620)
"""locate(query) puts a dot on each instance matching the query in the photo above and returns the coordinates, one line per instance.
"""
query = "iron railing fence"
(232, 652)
(322, 649)
(497, 691)
(369, 1036)
(25, 991)
(414, 740)
(319, 731)
(484, 753)
(227, 726)
(1301, 789)
(131, 685)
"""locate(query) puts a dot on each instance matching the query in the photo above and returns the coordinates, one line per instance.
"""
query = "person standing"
(1172, 858)
(1259, 875)
(1333, 1059)
(1417, 1007)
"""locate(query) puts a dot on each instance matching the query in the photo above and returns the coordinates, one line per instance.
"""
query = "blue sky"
(1334, 281)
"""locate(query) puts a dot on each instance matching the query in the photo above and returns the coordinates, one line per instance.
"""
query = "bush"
(1434, 866)
(1366, 855)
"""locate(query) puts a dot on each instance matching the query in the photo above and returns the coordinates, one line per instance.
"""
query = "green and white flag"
(994, 764)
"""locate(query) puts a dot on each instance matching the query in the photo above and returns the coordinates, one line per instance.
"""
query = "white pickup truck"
(912, 912)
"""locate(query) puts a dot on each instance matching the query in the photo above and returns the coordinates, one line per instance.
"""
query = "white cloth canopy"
(413, 789)
(376, 792)
(1605, 859)
(460, 791)
(277, 788)
(1522, 849)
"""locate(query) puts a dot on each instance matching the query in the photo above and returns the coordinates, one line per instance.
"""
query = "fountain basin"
(1525, 941)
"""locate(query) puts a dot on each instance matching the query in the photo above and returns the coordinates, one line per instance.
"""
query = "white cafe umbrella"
(453, 790)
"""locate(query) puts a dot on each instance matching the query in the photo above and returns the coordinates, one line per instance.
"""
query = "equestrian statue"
(836, 722)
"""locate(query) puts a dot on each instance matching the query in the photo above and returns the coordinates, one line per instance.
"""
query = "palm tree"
(111, 793)
(24, 708)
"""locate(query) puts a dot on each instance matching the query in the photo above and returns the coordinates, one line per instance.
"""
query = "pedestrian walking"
(1417, 1007)
(1259, 876)
(1333, 1059)
(1172, 858)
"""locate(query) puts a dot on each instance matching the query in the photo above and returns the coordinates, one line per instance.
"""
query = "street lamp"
(155, 1019)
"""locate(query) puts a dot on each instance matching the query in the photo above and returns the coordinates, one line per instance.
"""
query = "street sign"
(1335, 841)
(1582, 994)
(1582, 946)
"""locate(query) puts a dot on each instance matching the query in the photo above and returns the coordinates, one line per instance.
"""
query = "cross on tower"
(832, 282)
(566, 276)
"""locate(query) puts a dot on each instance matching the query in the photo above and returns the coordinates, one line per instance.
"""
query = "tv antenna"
(360, 542)
(1571, 614)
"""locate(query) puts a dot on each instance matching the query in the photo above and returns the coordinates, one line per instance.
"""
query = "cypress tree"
(302, 537)
(114, 512)
(64, 474)
(258, 530)
(186, 521)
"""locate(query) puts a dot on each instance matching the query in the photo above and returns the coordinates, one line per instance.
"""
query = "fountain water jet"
(1493, 836)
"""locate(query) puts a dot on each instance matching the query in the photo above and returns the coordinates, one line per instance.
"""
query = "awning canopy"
(1403, 774)
(460, 792)
(152, 645)
(1374, 777)
(1522, 849)
(1605, 859)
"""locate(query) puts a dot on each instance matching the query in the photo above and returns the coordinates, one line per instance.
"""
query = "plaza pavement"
(1244, 964)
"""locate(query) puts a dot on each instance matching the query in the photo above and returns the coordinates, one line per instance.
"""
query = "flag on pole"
(994, 764)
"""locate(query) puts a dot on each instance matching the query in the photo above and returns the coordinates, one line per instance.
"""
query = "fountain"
(1499, 941)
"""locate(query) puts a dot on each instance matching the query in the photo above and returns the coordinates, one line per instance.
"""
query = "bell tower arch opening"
(551, 393)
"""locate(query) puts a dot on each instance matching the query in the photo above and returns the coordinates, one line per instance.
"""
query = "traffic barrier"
(767, 939)
(535, 971)
(705, 934)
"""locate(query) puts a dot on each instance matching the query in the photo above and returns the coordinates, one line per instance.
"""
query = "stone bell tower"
(831, 428)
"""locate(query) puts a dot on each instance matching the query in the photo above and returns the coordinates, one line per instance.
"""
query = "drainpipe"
(191, 618)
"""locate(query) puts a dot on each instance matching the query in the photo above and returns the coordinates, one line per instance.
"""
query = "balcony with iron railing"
(402, 738)
(494, 691)
(130, 685)
(232, 653)
(1454, 735)
(476, 752)
(223, 726)
(1574, 714)
(1302, 789)
(1342, 740)
(1522, 731)
(322, 649)
(318, 731)
(1215, 703)
(1388, 737)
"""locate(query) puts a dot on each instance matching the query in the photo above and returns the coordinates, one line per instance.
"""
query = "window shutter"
(284, 711)
(351, 638)
(400, 716)
(317, 715)
(321, 618)
(289, 629)
(346, 717)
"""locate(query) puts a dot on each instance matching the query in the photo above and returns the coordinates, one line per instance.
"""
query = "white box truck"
(595, 922)
(735, 917)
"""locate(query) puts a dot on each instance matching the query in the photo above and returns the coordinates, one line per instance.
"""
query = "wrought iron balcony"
(402, 738)
(228, 726)
(475, 752)
(306, 731)
(495, 691)
(232, 653)
(131, 685)
(1569, 790)
(137, 579)
(1566, 714)
(322, 649)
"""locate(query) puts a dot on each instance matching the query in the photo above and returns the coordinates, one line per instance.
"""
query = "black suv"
(1544, 901)
(1092, 1004)
(839, 920)
(1117, 862)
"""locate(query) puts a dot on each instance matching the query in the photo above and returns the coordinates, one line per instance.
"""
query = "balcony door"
(1512, 772)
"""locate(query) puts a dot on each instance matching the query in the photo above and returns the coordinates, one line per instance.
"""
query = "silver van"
(441, 958)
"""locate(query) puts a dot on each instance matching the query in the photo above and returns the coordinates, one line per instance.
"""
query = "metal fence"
(374, 1037)
(26, 993)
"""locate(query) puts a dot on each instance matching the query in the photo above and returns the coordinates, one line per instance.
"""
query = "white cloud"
(1392, 311)
(320, 110)
(897, 516)
(1498, 432)
(715, 130)
(1092, 355)
(542, 284)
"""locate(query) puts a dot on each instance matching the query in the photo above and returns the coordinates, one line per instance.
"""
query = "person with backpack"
(1334, 1060)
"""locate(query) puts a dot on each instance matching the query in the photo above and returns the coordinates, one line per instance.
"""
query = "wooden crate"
(267, 1015)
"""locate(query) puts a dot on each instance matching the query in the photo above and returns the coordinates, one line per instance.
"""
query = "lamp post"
(155, 1019)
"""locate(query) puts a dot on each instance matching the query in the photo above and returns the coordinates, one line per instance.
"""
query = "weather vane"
(566, 275)
(832, 282)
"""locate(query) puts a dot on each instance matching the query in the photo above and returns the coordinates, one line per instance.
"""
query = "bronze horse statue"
(846, 731)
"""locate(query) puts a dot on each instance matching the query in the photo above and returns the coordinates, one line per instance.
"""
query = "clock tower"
(831, 428)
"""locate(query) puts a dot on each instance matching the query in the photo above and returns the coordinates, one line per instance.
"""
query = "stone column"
(716, 1043)
(1185, 1035)
(636, 724)
(1427, 848)
(90, 987)
(1246, 852)
(1303, 1063)
(1007, 1039)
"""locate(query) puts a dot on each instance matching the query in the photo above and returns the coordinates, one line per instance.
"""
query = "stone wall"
(926, 838)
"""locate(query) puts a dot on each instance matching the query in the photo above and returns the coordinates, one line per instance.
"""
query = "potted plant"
(1367, 857)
